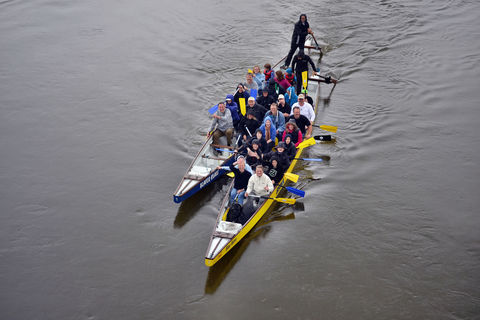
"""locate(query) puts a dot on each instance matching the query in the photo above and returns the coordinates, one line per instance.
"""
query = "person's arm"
(312, 114)
(269, 187)
(309, 131)
(249, 186)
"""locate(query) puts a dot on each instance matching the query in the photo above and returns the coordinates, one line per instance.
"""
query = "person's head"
(301, 99)
(300, 54)
(274, 161)
(259, 170)
(281, 99)
(274, 108)
(256, 69)
(229, 98)
(221, 106)
(255, 144)
(268, 122)
(291, 125)
(303, 18)
(240, 88)
(296, 112)
(288, 139)
(251, 101)
(281, 147)
(289, 71)
(249, 77)
(250, 114)
(265, 92)
(267, 66)
(258, 134)
(279, 75)
(241, 163)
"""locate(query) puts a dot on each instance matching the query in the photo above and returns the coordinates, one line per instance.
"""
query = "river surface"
(103, 105)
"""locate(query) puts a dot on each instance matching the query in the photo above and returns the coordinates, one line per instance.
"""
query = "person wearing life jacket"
(290, 76)
(268, 72)
(300, 32)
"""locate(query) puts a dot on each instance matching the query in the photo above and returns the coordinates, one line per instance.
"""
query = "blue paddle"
(213, 109)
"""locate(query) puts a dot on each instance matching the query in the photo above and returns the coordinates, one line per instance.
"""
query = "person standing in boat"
(240, 182)
(305, 108)
(302, 122)
(300, 32)
(222, 125)
(299, 65)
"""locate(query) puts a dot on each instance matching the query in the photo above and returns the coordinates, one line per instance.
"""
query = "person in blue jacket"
(269, 132)
(232, 105)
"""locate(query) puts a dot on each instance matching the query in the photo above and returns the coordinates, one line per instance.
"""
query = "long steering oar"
(326, 128)
(318, 48)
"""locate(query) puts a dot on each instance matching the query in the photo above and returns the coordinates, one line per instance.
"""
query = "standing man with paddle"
(300, 69)
(300, 32)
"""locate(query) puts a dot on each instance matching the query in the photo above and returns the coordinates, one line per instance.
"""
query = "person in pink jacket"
(280, 79)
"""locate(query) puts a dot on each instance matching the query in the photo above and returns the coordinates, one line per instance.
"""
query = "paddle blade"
(225, 150)
(306, 143)
(253, 93)
(285, 200)
(295, 191)
(213, 109)
(243, 109)
(310, 159)
(305, 79)
(291, 176)
(323, 138)
(328, 128)
(231, 174)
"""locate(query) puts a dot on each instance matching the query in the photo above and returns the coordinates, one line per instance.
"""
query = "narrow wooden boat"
(202, 171)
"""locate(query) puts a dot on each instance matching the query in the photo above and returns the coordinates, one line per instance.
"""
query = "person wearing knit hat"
(290, 76)
(254, 154)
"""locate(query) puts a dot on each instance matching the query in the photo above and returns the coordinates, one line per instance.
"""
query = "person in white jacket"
(259, 183)
(305, 108)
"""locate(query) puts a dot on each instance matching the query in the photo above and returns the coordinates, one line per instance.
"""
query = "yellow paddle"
(326, 128)
(305, 79)
(291, 176)
(243, 109)
(306, 143)
(231, 174)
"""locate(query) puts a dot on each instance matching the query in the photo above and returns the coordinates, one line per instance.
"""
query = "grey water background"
(104, 104)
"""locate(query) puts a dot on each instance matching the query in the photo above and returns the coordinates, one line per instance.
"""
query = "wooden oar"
(280, 61)
(326, 128)
(221, 146)
(283, 200)
(318, 47)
